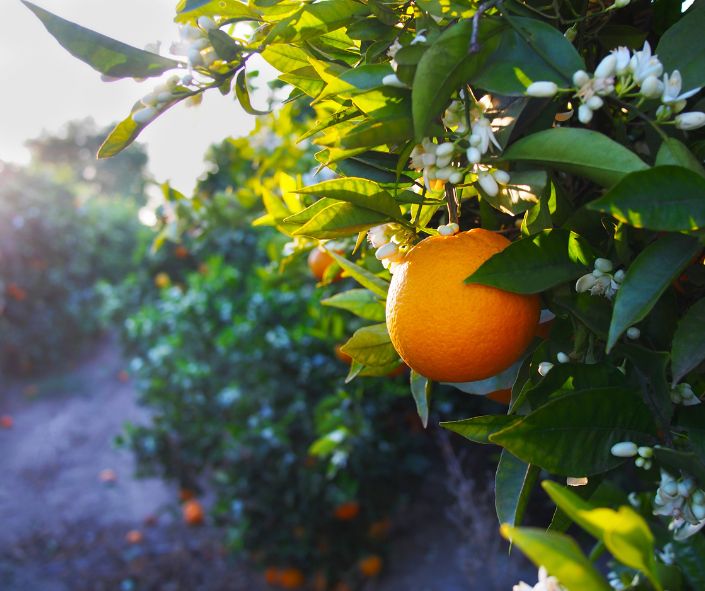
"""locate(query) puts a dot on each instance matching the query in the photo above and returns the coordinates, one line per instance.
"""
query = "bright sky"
(44, 86)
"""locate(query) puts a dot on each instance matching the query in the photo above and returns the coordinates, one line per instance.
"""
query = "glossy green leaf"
(690, 557)
(370, 345)
(243, 94)
(689, 342)
(667, 198)
(120, 137)
(513, 484)
(224, 45)
(675, 153)
(624, 532)
(647, 278)
(190, 10)
(536, 263)
(361, 302)
(375, 284)
(339, 220)
(593, 311)
(559, 554)
(682, 47)
(421, 392)
(675, 460)
(108, 56)
(578, 151)
(313, 20)
(572, 435)
(521, 193)
(285, 58)
(479, 429)
(357, 191)
(692, 419)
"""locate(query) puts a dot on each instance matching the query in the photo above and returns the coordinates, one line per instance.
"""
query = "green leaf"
(108, 56)
(675, 153)
(521, 193)
(624, 532)
(690, 557)
(243, 94)
(370, 345)
(190, 10)
(536, 263)
(675, 461)
(692, 418)
(120, 137)
(479, 429)
(361, 302)
(285, 58)
(359, 192)
(647, 278)
(313, 20)
(578, 151)
(421, 391)
(339, 220)
(303, 216)
(667, 198)
(572, 435)
(682, 47)
(559, 554)
(594, 312)
(514, 482)
(356, 80)
(224, 45)
(375, 284)
(689, 342)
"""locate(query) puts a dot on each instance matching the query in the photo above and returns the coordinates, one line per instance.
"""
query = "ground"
(64, 529)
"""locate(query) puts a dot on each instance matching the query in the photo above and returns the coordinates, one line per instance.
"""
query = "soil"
(64, 528)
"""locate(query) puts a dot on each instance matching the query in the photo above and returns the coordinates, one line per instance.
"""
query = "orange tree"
(573, 129)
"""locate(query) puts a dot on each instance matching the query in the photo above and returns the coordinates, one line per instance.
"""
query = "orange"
(319, 582)
(370, 566)
(162, 280)
(450, 331)
(272, 575)
(502, 396)
(134, 536)
(319, 261)
(186, 494)
(193, 512)
(181, 252)
(380, 529)
(347, 511)
(291, 578)
(6, 422)
(340, 354)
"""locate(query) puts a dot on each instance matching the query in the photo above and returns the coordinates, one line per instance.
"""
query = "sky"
(44, 86)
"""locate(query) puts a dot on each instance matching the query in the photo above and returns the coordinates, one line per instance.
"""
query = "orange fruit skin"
(318, 261)
(272, 575)
(6, 422)
(370, 566)
(134, 536)
(347, 511)
(193, 512)
(449, 331)
(291, 578)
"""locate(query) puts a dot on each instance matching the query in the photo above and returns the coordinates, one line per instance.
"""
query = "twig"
(452, 202)
(484, 7)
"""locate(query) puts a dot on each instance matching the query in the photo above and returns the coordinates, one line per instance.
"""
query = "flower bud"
(698, 497)
(685, 487)
(670, 489)
(606, 67)
(445, 230)
(488, 184)
(444, 173)
(652, 87)
(206, 23)
(501, 176)
(597, 273)
(393, 80)
(624, 449)
(475, 139)
(633, 333)
(621, 3)
(144, 115)
(576, 480)
(545, 367)
(456, 178)
(428, 159)
(584, 114)
(698, 511)
(164, 97)
(604, 265)
(445, 149)
(542, 89)
(386, 251)
(691, 120)
(639, 462)
(562, 357)
(619, 276)
(585, 283)
(474, 155)
(645, 451)
(595, 103)
(443, 161)
(580, 78)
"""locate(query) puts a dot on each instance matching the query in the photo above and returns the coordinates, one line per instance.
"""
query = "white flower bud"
(443, 161)
(595, 103)
(475, 139)
(624, 449)
(172, 82)
(144, 115)
(428, 159)
(639, 462)
(606, 67)
(685, 487)
(585, 283)
(545, 367)
(604, 265)
(581, 78)
(393, 80)
(444, 173)
(454, 227)
(597, 273)
(386, 251)
(445, 230)
(456, 178)
(164, 97)
(647, 464)
(562, 357)
(474, 155)
(584, 114)
(619, 276)
(645, 451)
(698, 497)
(576, 480)
(542, 89)
(698, 511)
(652, 87)
(633, 333)
(691, 120)
(445, 149)
(206, 23)
(187, 80)
(501, 176)
(488, 184)
(621, 3)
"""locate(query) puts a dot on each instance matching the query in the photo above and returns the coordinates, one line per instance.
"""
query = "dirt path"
(63, 529)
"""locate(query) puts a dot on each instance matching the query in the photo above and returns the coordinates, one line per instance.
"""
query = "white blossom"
(643, 64)
(545, 583)
(690, 120)
(542, 89)
(672, 86)
(622, 58)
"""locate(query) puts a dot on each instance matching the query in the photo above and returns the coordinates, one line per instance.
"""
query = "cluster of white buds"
(392, 242)
(622, 72)
(195, 44)
(683, 502)
(155, 101)
(629, 449)
(449, 229)
(545, 583)
(601, 281)
(626, 579)
(436, 162)
(683, 394)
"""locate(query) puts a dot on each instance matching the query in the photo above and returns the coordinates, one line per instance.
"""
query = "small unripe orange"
(370, 566)
(193, 512)
(347, 511)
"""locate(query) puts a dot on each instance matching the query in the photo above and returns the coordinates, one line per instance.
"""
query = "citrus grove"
(474, 169)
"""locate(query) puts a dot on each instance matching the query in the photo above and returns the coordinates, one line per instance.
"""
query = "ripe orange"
(370, 566)
(502, 396)
(380, 529)
(449, 331)
(319, 261)
(193, 512)
(181, 252)
(6, 422)
(162, 280)
(291, 578)
(134, 536)
(347, 511)
(272, 575)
